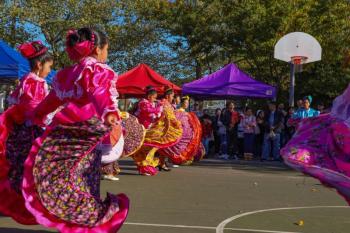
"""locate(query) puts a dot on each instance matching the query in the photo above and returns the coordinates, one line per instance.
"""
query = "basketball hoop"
(297, 48)
(298, 62)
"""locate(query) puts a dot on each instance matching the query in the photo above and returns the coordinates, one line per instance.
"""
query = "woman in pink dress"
(321, 147)
(149, 109)
(61, 183)
(17, 132)
(162, 130)
(189, 146)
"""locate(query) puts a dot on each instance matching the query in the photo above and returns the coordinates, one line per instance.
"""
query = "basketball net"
(298, 62)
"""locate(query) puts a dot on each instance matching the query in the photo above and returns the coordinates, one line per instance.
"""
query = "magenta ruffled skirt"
(62, 179)
(321, 148)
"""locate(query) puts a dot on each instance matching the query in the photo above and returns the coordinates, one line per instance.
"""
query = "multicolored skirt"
(61, 183)
(166, 132)
(17, 141)
(110, 168)
(188, 145)
(321, 149)
(134, 135)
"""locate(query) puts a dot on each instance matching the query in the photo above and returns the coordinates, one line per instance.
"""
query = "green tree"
(216, 32)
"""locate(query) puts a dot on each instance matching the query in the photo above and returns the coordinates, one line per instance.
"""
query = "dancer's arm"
(152, 112)
(48, 105)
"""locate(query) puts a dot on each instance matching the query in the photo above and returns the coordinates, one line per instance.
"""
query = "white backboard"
(298, 44)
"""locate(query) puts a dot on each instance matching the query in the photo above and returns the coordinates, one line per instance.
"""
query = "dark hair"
(83, 34)
(229, 103)
(247, 108)
(168, 90)
(150, 90)
(273, 103)
(45, 57)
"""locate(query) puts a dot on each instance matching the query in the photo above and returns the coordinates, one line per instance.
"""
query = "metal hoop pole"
(291, 85)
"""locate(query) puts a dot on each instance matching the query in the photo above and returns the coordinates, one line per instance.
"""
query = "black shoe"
(163, 168)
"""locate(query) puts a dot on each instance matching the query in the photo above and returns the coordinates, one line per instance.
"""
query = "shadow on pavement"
(128, 166)
(256, 166)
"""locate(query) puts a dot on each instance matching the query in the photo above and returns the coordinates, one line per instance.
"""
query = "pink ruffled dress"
(16, 137)
(321, 147)
(148, 112)
(62, 173)
(187, 147)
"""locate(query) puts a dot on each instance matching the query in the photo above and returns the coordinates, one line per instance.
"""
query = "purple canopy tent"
(227, 83)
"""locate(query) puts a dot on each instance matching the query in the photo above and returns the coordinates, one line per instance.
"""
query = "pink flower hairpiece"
(81, 49)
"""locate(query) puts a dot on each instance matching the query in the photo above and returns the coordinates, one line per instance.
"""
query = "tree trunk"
(198, 69)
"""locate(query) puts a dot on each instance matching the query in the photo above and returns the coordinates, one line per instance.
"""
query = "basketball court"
(216, 196)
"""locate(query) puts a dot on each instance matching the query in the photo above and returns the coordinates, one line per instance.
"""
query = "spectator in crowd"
(205, 113)
(281, 109)
(249, 125)
(284, 113)
(290, 129)
(272, 137)
(300, 104)
(196, 111)
(216, 121)
(306, 111)
(321, 108)
(259, 132)
(207, 134)
(221, 136)
(231, 119)
(240, 140)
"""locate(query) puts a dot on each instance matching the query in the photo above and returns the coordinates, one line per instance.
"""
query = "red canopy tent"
(133, 82)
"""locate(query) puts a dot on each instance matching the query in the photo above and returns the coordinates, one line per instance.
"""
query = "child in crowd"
(207, 135)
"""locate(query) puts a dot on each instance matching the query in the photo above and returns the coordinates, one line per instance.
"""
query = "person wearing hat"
(149, 109)
(306, 111)
(17, 131)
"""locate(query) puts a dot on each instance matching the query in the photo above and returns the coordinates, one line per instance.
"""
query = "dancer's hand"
(112, 119)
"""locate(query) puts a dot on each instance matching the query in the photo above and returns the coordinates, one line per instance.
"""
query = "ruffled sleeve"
(28, 96)
(99, 81)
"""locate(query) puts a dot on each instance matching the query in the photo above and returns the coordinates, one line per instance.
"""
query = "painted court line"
(221, 227)
(203, 227)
